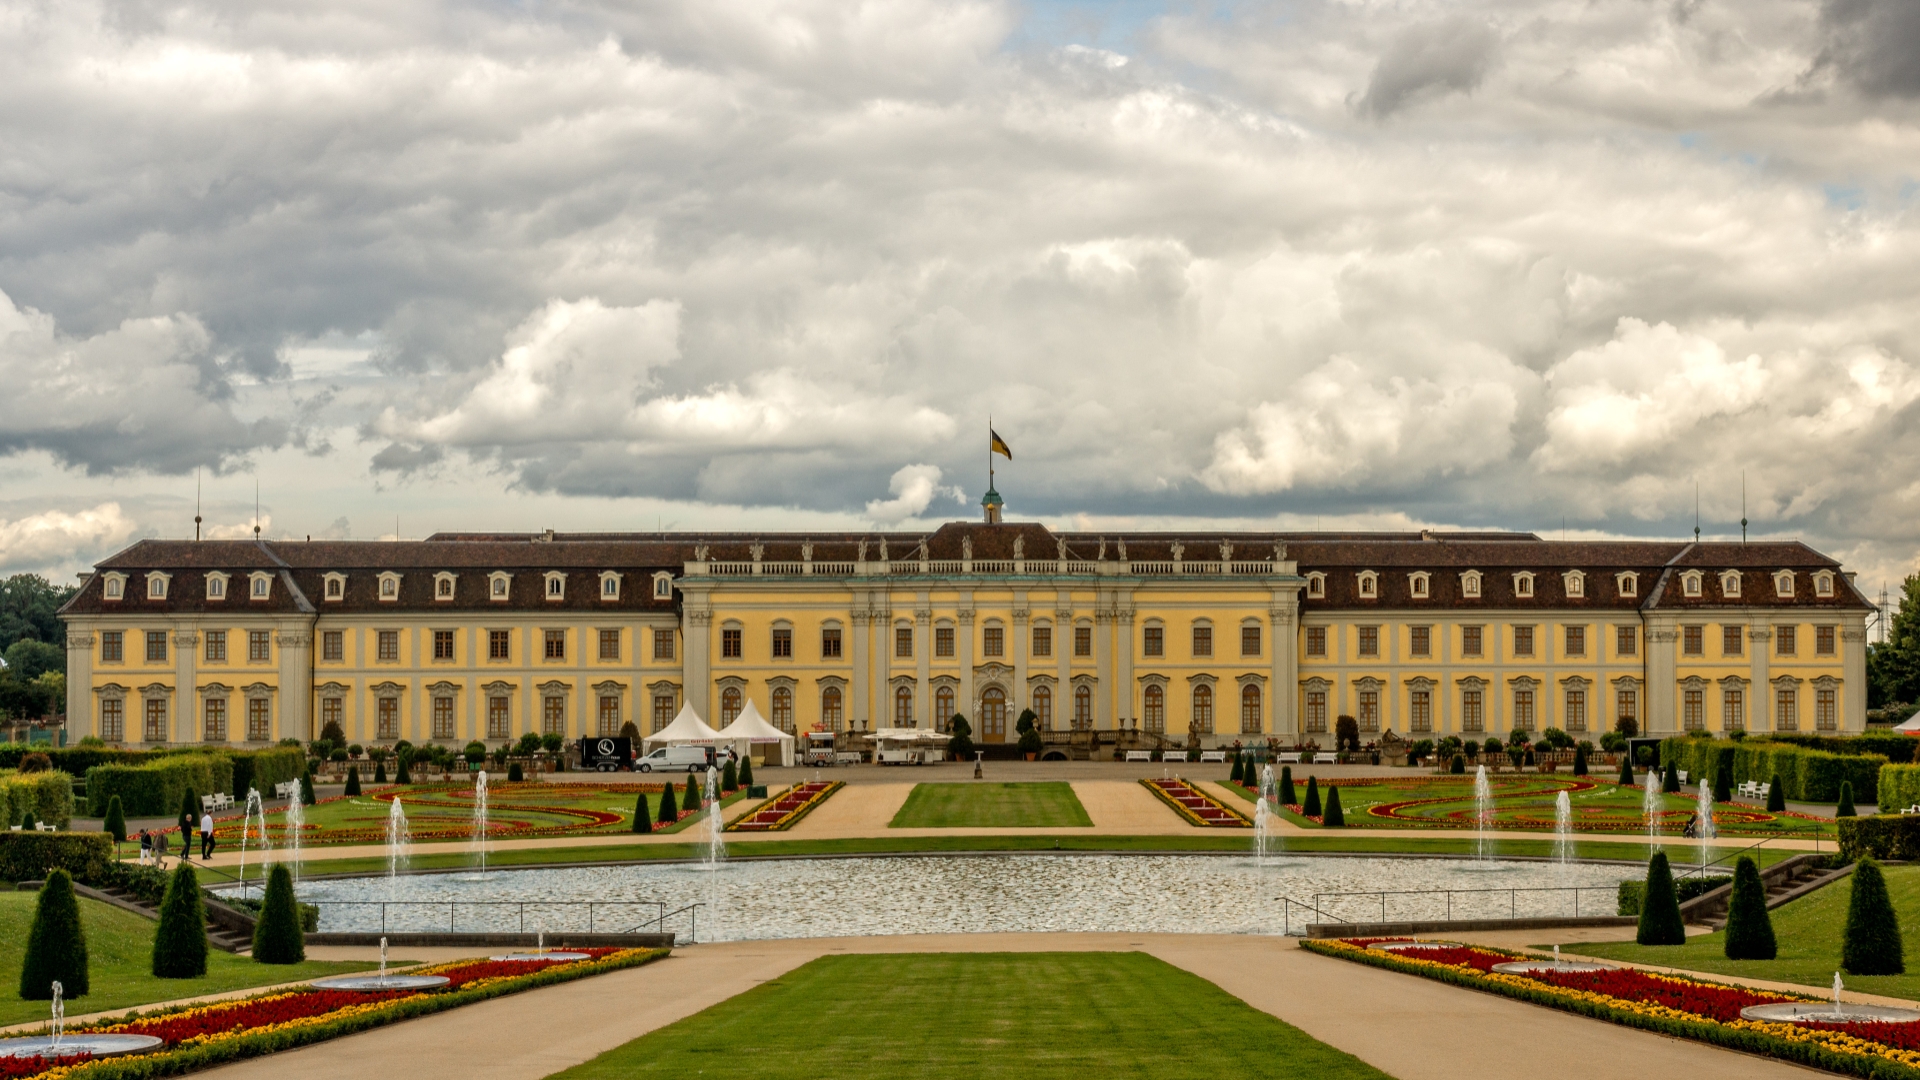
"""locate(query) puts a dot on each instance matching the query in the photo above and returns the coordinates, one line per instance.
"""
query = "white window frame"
(500, 586)
(1523, 584)
(327, 593)
(1369, 587)
(1783, 583)
(1316, 585)
(1823, 583)
(446, 585)
(554, 585)
(1418, 585)
(1691, 582)
(1576, 584)
(164, 581)
(663, 586)
(259, 585)
(113, 585)
(1627, 583)
(1470, 584)
(388, 587)
(1730, 584)
(609, 585)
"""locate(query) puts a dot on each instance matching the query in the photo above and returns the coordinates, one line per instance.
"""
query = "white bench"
(1912, 810)
(219, 800)
(1290, 757)
(1213, 755)
(286, 789)
(1683, 775)
(1139, 755)
(41, 826)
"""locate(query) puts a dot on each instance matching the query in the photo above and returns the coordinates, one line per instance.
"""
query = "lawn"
(1808, 932)
(975, 1015)
(991, 806)
(119, 949)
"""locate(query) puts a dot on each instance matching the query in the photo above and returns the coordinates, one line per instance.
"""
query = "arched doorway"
(993, 715)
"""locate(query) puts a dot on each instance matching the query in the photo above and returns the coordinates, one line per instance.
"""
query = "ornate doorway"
(993, 715)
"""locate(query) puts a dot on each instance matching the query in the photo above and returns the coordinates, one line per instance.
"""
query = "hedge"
(1687, 888)
(47, 795)
(1899, 785)
(76, 760)
(27, 856)
(155, 788)
(262, 769)
(1806, 775)
(1898, 749)
(1886, 837)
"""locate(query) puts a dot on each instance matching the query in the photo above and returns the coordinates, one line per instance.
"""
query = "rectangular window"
(943, 641)
(992, 641)
(1203, 641)
(553, 716)
(1576, 710)
(1042, 642)
(156, 720)
(1823, 641)
(1249, 641)
(156, 646)
(332, 711)
(1473, 710)
(1151, 644)
(1083, 641)
(1420, 641)
(1786, 709)
(830, 643)
(1523, 710)
(1626, 641)
(1523, 641)
(113, 719)
(1576, 640)
(1316, 641)
(609, 714)
(387, 718)
(1826, 710)
(1693, 710)
(443, 644)
(556, 644)
(1733, 708)
(662, 644)
(782, 643)
(610, 644)
(1369, 710)
(1730, 641)
(662, 711)
(1783, 641)
(1369, 641)
(112, 647)
(1693, 641)
(215, 727)
(1316, 717)
(499, 644)
(1626, 704)
(259, 727)
(259, 647)
(333, 645)
(903, 642)
(498, 724)
(730, 643)
(216, 652)
(1471, 640)
(1420, 710)
(443, 718)
(389, 645)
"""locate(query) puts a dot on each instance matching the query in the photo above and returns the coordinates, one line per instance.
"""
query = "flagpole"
(989, 451)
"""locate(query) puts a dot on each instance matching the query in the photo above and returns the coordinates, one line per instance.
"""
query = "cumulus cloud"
(1874, 45)
(1431, 60)
(52, 537)
(914, 487)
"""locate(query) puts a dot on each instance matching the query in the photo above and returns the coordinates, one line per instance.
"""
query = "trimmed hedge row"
(1884, 837)
(262, 769)
(28, 856)
(1899, 786)
(73, 760)
(1898, 749)
(48, 794)
(1633, 890)
(155, 788)
(1806, 775)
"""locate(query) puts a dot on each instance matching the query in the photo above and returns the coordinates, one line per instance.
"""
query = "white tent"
(686, 729)
(1911, 727)
(750, 727)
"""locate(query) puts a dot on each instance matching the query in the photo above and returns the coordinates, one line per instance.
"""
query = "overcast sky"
(732, 265)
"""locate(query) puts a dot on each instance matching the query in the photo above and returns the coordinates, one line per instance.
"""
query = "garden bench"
(1289, 757)
(1213, 755)
(1683, 775)
(286, 789)
(1139, 755)
(1912, 810)
(41, 826)
(219, 800)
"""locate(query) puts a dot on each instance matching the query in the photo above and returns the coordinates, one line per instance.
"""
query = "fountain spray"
(295, 823)
(1482, 812)
(1563, 829)
(1650, 804)
(399, 847)
(254, 809)
(1264, 831)
(480, 817)
(1705, 831)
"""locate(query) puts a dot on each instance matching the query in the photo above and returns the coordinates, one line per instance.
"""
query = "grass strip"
(1029, 805)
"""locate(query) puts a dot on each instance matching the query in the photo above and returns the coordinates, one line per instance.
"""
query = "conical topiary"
(1670, 782)
(380, 771)
(729, 778)
(1776, 796)
(669, 806)
(180, 945)
(1660, 906)
(189, 813)
(1844, 808)
(1238, 772)
(353, 780)
(1333, 818)
(306, 788)
(642, 817)
(27, 820)
(116, 820)
(1580, 760)
(515, 774)
(1723, 784)
(277, 938)
(1311, 807)
(1458, 766)
(403, 768)
(1286, 786)
(1749, 928)
(1872, 945)
(56, 945)
(1626, 772)
(690, 798)
(746, 772)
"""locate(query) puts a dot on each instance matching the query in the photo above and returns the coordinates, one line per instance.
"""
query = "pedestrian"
(160, 848)
(146, 848)
(206, 836)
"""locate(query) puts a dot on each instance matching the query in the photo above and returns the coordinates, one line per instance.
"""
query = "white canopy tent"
(687, 729)
(750, 727)
(1911, 727)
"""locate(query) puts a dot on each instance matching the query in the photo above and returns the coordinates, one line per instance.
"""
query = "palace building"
(466, 636)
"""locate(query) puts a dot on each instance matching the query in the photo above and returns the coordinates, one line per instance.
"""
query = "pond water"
(794, 898)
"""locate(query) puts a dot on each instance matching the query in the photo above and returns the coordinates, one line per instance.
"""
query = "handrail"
(452, 906)
(1699, 869)
(1513, 896)
(1287, 904)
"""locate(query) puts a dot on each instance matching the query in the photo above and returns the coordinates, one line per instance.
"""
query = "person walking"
(146, 848)
(160, 848)
(206, 836)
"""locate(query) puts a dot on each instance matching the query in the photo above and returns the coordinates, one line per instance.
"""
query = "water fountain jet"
(291, 828)
(1704, 832)
(1650, 804)
(1482, 813)
(1562, 829)
(480, 818)
(254, 809)
(1265, 822)
(399, 846)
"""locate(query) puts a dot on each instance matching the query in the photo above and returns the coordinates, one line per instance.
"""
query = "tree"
(1458, 766)
(1893, 667)
(1872, 945)
(515, 774)
(729, 778)
(180, 945)
(1670, 782)
(1749, 928)
(1776, 796)
(1844, 808)
(332, 733)
(1723, 782)
(1660, 922)
(630, 731)
(642, 817)
(306, 787)
(746, 772)
(115, 822)
(277, 938)
(189, 814)
(960, 744)
(1580, 760)
(1026, 722)
(691, 798)
(28, 659)
(1030, 741)
(353, 780)
(1626, 772)
(1346, 734)
(1238, 773)
(56, 945)
(1311, 807)
(380, 771)
(403, 771)
(1332, 818)
(669, 806)
(1286, 786)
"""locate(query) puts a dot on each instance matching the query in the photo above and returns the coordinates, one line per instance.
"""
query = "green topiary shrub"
(1580, 760)
(30, 856)
(642, 817)
(515, 774)
(116, 822)
(1872, 945)
(1660, 906)
(1238, 773)
(1776, 796)
(189, 814)
(1286, 786)
(180, 945)
(1670, 783)
(276, 934)
(1458, 766)
(353, 780)
(729, 778)
(27, 821)
(306, 789)
(403, 771)
(1749, 928)
(1723, 784)
(746, 772)
(1333, 818)
(1844, 808)
(47, 795)
(1311, 807)
(691, 798)
(56, 945)
(1626, 771)
(380, 771)
(669, 806)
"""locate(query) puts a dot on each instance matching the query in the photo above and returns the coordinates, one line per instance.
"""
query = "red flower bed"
(783, 812)
(253, 1013)
(1197, 806)
(1898, 1036)
(12, 1068)
(1722, 1003)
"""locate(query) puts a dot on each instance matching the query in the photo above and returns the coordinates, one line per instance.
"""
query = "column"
(1063, 661)
(1760, 645)
(81, 709)
(1022, 640)
(1283, 625)
(1663, 638)
(1853, 675)
(1123, 699)
(963, 642)
(296, 685)
(186, 656)
(883, 665)
(859, 712)
(923, 662)
(1102, 662)
(698, 635)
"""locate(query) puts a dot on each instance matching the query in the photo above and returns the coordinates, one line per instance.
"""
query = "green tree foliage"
(332, 733)
(1580, 760)
(353, 780)
(691, 799)
(1749, 929)
(746, 772)
(180, 945)
(1626, 770)
(116, 821)
(515, 774)
(189, 813)
(1660, 906)
(1776, 796)
(1026, 722)
(1030, 742)
(1872, 945)
(1238, 773)
(729, 778)
(1332, 817)
(57, 945)
(380, 771)
(1458, 766)
(306, 788)
(1286, 786)
(1844, 808)
(1723, 783)
(669, 805)
(1670, 782)
(630, 730)
(1893, 667)
(960, 744)
(403, 771)
(642, 817)
(277, 938)
(1311, 807)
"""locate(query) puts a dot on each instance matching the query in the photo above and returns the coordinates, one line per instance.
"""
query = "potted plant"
(1030, 741)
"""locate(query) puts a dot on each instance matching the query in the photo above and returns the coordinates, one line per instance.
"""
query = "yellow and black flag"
(997, 445)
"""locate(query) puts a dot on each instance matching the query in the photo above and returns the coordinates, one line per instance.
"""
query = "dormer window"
(1316, 585)
(1823, 583)
(1369, 585)
(1576, 584)
(1783, 583)
(260, 585)
(1730, 584)
(157, 585)
(333, 587)
(1523, 583)
(556, 585)
(663, 586)
(1690, 583)
(1627, 582)
(113, 586)
(609, 585)
(389, 587)
(1417, 584)
(443, 585)
(216, 585)
(498, 583)
(1470, 584)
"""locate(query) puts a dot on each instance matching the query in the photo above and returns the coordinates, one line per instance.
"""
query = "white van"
(674, 759)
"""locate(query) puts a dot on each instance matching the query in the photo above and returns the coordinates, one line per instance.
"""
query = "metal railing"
(1513, 898)
(1287, 904)
(497, 912)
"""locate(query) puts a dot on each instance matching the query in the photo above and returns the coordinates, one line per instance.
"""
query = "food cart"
(908, 746)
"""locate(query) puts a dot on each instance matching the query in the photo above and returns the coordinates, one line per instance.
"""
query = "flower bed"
(784, 812)
(1669, 1004)
(1197, 806)
(199, 1036)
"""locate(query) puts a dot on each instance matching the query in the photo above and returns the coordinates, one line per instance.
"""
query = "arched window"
(993, 715)
(783, 708)
(1043, 707)
(1203, 709)
(830, 708)
(1154, 701)
(1083, 708)
(943, 708)
(1250, 710)
(729, 705)
(903, 706)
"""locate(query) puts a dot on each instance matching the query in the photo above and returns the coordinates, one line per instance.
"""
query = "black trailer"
(606, 753)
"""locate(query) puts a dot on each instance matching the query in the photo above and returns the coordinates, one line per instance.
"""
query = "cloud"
(1429, 61)
(1874, 45)
(914, 488)
(51, 538)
